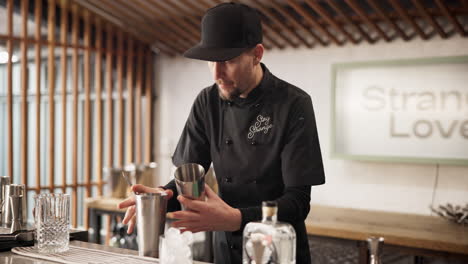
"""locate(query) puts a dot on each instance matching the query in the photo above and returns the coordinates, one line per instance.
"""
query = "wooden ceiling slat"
(173, 45)
(206, 5)
(195, 20)
(107, 16)
(296, 23)
(152, 23)
(349, 21)
(259, 6)
(387, 20)
(312, 21)
(131, 20)
(269, 30)
(316, 6)
(429, 18)
(360, 12)
(198, 6)
(402, 12)
(177, 20)
(458, 27)
(173, 26)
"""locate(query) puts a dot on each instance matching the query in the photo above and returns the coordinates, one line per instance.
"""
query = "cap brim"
(199, 52)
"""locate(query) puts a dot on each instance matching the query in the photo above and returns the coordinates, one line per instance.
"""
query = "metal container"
(151, 219)
(190, 181)
(16, 213)
(4, 184)
(15, 190)
(144, 173)
(116, 186)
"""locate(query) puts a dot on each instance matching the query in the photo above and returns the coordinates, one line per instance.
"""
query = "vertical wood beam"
(38, 61)
(51, 82)
(87, 111)
(10, 87)
(98, 108)
(120, 139)
(75, 37)
(130, 102)
(24, 93)
(149, 105)
(139, 88)
(109, 104)
(64, 69)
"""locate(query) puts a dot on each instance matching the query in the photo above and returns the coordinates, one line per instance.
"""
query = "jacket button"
(255, 181)
(229, 103)
(253, 143)
(232, 246)
(228, 179)
(257, 105)
(228, 141)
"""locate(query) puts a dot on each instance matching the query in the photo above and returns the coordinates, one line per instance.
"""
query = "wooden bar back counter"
(417, 235)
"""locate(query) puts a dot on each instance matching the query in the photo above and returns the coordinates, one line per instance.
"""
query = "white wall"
(409, 188)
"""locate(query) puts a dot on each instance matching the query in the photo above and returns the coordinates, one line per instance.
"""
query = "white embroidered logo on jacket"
(262, 124)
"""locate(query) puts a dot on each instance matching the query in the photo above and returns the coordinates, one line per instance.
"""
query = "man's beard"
(229, 96)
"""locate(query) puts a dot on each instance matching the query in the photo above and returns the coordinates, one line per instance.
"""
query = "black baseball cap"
(227, 30)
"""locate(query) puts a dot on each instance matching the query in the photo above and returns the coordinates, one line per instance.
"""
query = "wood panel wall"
(88, 43)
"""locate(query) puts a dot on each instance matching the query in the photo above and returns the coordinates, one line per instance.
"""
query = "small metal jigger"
(16, 212)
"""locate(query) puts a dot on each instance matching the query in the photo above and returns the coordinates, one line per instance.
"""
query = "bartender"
(258, 131)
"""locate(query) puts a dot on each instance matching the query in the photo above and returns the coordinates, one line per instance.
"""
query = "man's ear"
(258, 53)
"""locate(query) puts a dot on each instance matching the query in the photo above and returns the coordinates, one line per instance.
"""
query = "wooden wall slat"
(74, 171)
(51, 82)
(64, 69)
(109, 101)
(130, 103)
(38, 61)
(87, 111)
(120, 116)
(10, 88)
(149, 106)
(98, 82)
(139, 88)
(24, 93)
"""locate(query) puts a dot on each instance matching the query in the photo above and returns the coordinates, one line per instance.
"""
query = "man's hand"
(130, 203)
(210, 215)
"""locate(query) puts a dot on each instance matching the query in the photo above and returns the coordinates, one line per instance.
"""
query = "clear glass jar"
(269, 241)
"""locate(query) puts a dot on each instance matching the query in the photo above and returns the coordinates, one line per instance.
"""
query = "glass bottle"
(375, 244)
(269, 241)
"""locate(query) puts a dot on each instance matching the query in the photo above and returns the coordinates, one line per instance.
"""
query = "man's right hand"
(130, 216)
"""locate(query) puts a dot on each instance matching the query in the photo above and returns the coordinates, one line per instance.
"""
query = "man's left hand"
(213, 214)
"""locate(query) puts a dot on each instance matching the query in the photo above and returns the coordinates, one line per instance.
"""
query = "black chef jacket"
(263, 147)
